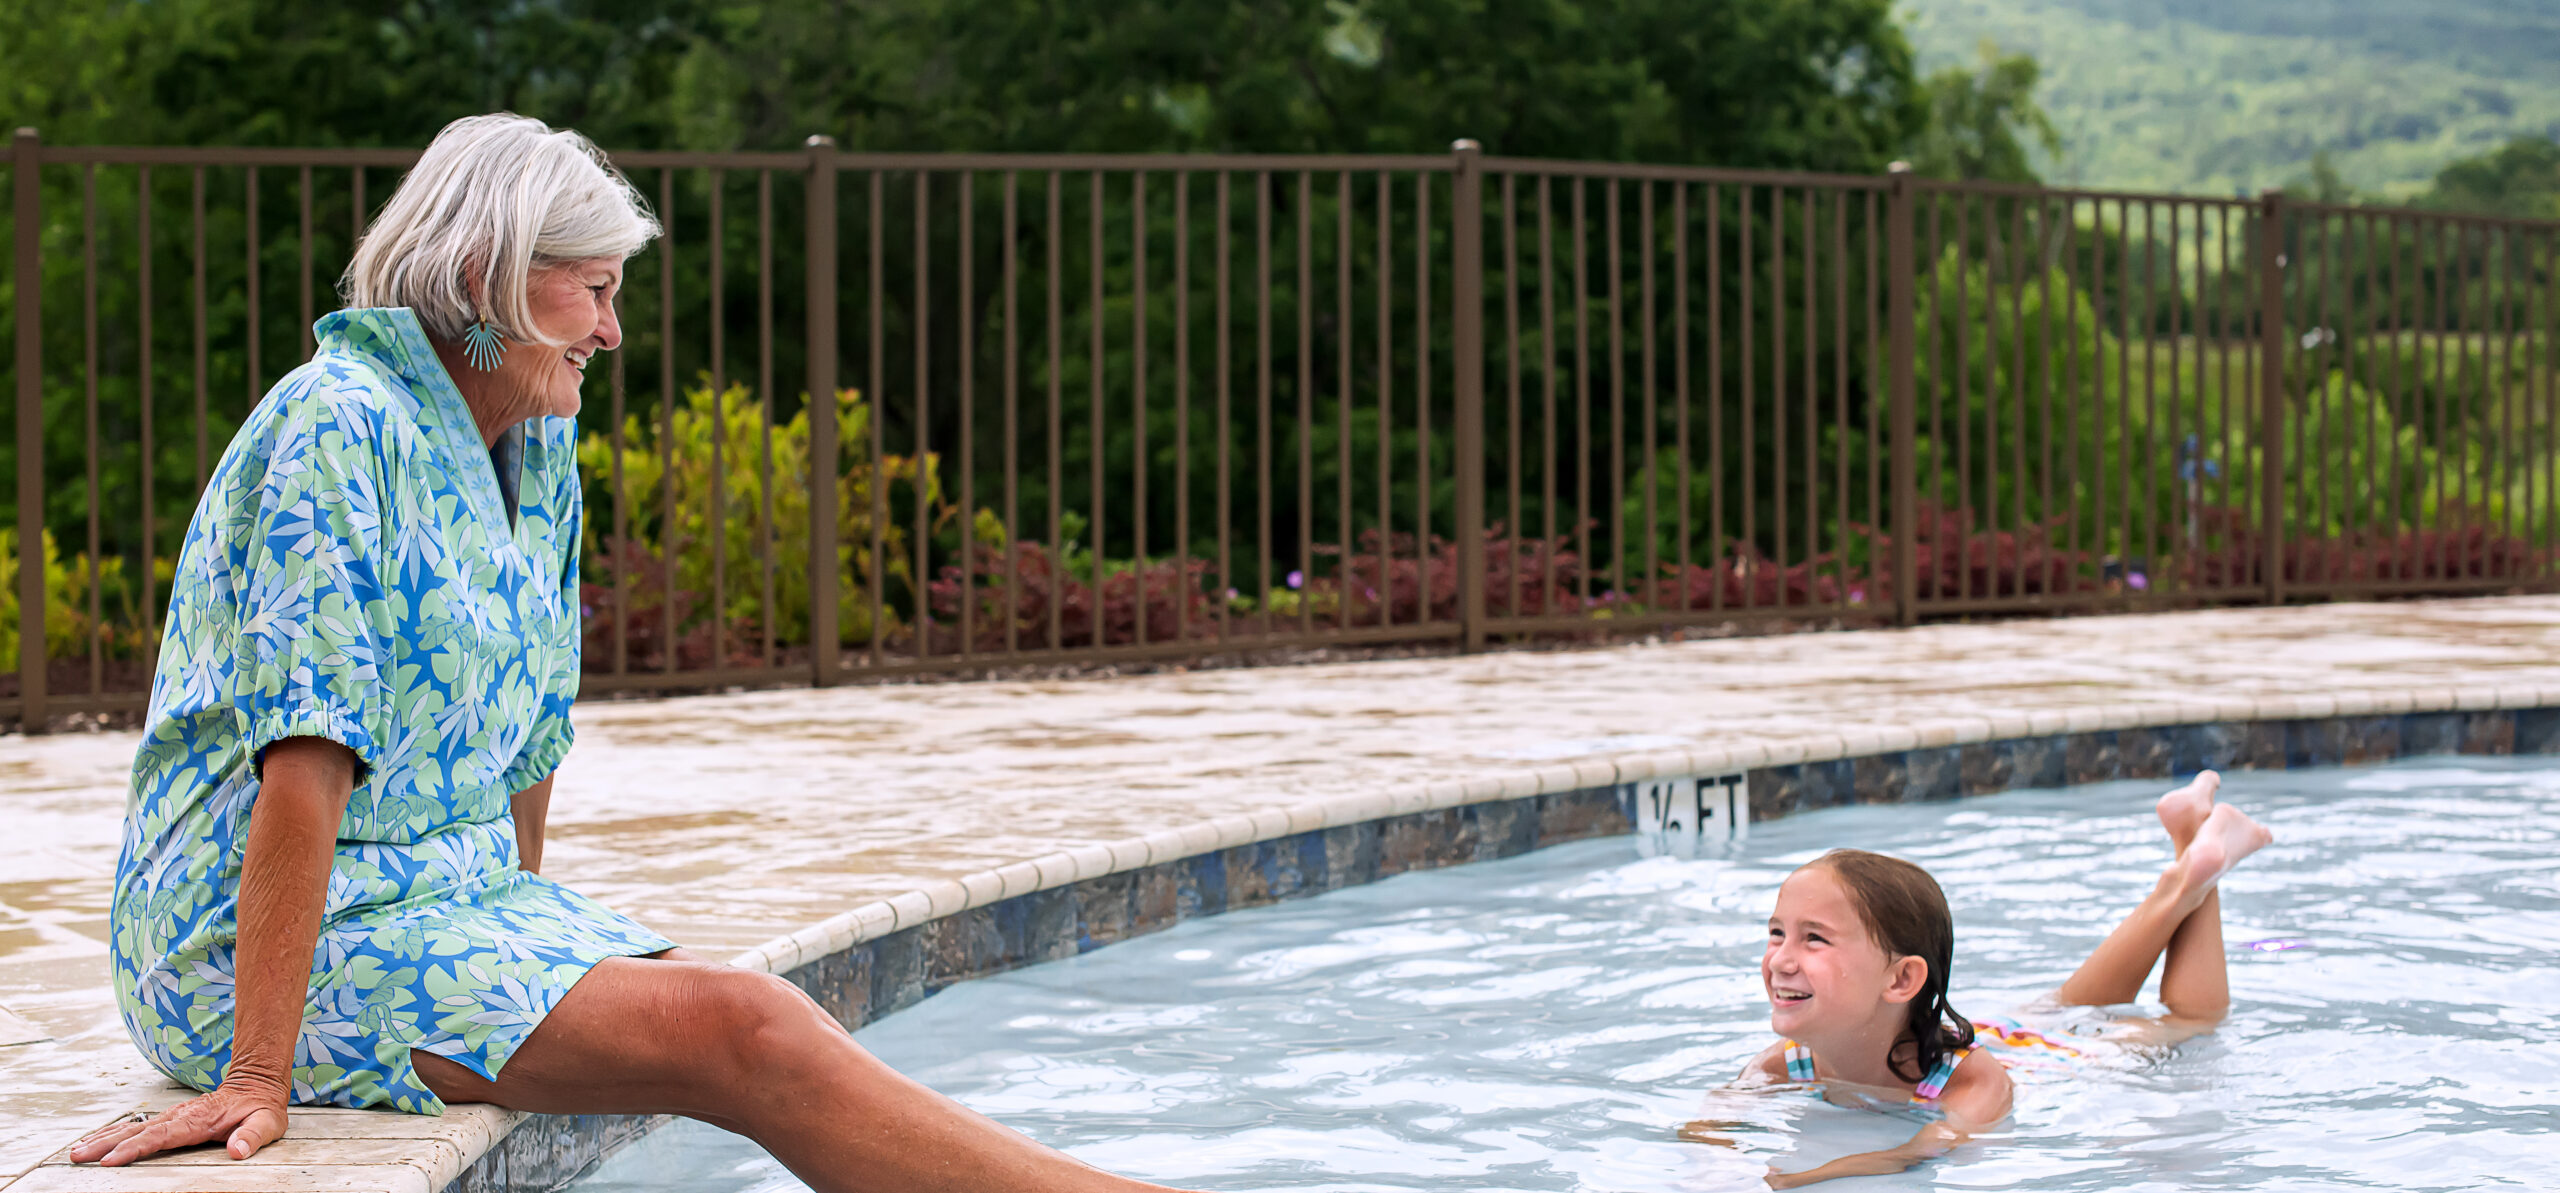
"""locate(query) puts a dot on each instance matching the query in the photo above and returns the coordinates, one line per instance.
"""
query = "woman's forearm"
(532, 808)
(284, 887)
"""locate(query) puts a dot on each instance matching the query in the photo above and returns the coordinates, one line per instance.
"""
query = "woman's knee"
(760, 1024)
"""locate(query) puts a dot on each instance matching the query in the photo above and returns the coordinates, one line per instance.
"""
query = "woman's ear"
(1905, 978)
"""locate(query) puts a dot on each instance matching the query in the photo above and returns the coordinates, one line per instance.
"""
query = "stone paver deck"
(730, 821)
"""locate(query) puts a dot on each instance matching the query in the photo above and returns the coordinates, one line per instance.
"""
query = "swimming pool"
(1546, 1022)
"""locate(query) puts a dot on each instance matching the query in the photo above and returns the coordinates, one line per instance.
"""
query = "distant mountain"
(2218, 96)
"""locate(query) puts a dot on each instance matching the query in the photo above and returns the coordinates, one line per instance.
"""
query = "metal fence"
(1066, 408)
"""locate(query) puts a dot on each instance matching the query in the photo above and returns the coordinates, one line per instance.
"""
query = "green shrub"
(68, 629)
(739, 430)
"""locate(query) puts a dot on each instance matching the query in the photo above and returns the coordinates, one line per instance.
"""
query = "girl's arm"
(1977, 1096)
(284, 886)
(1768, 1067)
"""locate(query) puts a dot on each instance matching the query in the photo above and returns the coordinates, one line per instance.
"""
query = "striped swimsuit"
(2011, 1038)
(1800, 1068)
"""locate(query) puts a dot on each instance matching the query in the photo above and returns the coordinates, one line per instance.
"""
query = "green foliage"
(730, 427)
(68, 628)
(2218, 96)
(1985, 124)
(1806, 83)
(2521, 178)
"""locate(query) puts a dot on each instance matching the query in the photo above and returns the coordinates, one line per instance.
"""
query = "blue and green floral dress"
(352, 573)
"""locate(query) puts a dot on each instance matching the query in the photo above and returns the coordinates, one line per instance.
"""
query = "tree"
(1982, 123)
(2520, 178)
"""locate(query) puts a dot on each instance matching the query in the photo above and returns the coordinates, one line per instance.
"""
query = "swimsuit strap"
(1936, 1083)
(1799, 1062)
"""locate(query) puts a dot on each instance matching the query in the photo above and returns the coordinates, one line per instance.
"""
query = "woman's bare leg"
(750, 1053)
(2182, 917)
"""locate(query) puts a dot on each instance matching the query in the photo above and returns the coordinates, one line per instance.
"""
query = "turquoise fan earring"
(482, 346)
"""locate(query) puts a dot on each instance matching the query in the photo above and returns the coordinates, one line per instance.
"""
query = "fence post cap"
(819, 141)
(1897, 167)
(1466, 145)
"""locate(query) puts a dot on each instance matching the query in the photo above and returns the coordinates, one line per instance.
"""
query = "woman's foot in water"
(2227, 836)
(2183, 811)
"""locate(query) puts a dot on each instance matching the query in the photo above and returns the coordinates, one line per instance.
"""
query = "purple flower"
(1297, 579)
(2137, 581)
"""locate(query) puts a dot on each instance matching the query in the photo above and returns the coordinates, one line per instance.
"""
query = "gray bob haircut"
(494, 198)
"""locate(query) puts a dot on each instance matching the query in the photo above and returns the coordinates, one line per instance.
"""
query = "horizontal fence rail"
(881, 414)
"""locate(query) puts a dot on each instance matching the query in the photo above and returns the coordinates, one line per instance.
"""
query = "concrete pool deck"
(781, 825)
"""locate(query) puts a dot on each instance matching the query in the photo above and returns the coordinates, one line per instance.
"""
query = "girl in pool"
(1856, 974)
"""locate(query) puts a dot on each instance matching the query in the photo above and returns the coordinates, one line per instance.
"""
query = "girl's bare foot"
(2228, 835)
(2183, 811)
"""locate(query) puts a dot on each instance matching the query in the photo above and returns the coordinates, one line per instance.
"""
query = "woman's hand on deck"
(245, 1114)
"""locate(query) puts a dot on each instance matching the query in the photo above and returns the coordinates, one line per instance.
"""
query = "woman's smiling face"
(572, 306)
(1822, 965)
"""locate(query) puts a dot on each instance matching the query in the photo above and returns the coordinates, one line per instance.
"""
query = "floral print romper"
(352, 573)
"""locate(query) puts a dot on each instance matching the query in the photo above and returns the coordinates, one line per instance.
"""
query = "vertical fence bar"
(668, 525)
(1466, 373)
(89, 410)
(1305, 431)
(1189, 584)
(1012, 411)
(1813, 392)
(1582, 519)
(1343, 312)
(719, 520)
(921, 328)
(1778, 411)
(1385, 555)
(876, 258)
(249, 224)
(1609, 260)
(1715, 397)
(1137, 390)
(1747, 533)
(1900, 281)
(1840, 388)
(820, 241)
(620, 383)
(964, 313)
(1226, 400)
(203, 340)
(2440, 567)
(1511, 382)
(1262, 397)
(304, 194)
(1680, 385)
(2271, 398)
(1422, 394)
(764, 407)
(1056, 242)
(1096, 467)
(144, 399)
(27, 210)
(1547, 370)
(1650, 383)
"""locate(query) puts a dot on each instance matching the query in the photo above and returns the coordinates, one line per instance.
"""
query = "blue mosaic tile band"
(878, 977)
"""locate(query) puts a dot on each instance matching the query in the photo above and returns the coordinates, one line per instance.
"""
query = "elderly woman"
(329, 888)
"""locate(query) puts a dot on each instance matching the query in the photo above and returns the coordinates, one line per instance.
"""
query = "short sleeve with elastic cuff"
(314, 618)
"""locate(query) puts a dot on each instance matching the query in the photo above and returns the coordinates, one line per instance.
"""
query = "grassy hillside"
(2213, 96)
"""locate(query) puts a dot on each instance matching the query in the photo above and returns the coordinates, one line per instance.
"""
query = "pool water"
(1547, 1022)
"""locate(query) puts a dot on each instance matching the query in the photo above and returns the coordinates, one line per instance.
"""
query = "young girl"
(1856, 974)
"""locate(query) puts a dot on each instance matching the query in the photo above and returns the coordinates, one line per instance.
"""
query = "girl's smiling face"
(1823, 968)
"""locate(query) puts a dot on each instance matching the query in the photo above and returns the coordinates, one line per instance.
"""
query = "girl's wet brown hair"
(1907, 913)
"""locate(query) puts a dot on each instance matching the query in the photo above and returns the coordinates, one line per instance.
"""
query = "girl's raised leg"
(2182, 917)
